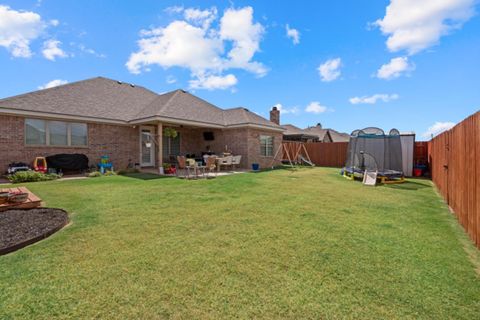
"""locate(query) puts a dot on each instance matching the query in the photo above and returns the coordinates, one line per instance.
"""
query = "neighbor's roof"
(334, 135)
(106, 99)
(317, 131)
(338, 136)
(291, 130)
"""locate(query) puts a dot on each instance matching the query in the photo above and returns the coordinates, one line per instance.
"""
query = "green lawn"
(307, 244)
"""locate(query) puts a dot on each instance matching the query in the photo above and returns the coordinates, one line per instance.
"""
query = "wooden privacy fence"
(330, 154)
(324, 154)
(454, 158)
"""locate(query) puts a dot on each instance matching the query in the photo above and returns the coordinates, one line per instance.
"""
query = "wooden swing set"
(294, 153)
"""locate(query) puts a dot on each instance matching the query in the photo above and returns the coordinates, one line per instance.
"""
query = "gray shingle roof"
(242, 116)
(98, 97)
(108, 99)
(321, 133)
(290, 129)
(339, 136)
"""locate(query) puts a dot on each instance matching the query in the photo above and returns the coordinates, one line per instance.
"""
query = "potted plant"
(166, 168)
(170, 133)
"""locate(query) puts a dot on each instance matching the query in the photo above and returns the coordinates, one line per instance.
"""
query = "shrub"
(94, 174)
(110, 173)
(31, 176)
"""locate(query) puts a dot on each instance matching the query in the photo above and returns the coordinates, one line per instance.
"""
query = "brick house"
(100, 116)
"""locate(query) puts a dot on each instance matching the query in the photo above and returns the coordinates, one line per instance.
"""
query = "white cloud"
(174, 9)
(202, 18)
(214, 82)
(374, 98)
(316, 107)
(395, 68)
(18, 29)
(54, 22)
(179, 44)
(193, 44)
(51, 50)
(53, 83)
(294, 34)
(238, 26)
(171, 79)
(84, 49)
(415, 25)
(330, 69)
(437, 128)
(283, 110)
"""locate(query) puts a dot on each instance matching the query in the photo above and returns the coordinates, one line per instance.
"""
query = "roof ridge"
(169, 100)
(47, 89)
(39, 91)
(245, 114)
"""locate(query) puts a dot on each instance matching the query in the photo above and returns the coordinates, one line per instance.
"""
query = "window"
(35, 131)
(55, 133)
(78, 134)
(58, 133)
(266, 146)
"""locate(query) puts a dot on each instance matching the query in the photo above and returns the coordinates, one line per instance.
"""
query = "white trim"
(152, 148)
(167, 120)
(57, 116)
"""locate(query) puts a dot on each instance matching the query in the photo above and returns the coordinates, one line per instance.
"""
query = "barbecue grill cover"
(64, 161)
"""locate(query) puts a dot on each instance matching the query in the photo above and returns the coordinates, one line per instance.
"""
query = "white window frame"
(263, 149)
(47, 134)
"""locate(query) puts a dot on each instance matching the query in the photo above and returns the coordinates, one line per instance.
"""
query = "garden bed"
(22, 227)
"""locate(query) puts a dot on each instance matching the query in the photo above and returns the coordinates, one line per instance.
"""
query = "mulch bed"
(21, 227)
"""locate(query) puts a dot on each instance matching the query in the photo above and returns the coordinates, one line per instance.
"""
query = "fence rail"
(454, 158)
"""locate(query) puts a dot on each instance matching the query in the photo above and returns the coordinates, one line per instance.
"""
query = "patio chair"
(225, 161)
(182, 165)
(236, 161)
(210, 164)
(194, 168)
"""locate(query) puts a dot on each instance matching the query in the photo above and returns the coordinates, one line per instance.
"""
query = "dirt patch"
(21, 227)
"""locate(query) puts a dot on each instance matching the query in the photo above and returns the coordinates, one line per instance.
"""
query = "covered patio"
(164, 145)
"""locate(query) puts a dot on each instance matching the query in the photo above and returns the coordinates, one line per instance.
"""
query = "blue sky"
(347, 65)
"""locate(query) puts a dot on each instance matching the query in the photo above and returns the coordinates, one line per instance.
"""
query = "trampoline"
(370, 149)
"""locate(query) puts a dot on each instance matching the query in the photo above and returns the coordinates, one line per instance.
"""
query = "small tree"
(170, 133)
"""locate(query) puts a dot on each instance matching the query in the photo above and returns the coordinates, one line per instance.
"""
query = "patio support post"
(160, 145)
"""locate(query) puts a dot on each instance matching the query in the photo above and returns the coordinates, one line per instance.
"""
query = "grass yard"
(308, 244)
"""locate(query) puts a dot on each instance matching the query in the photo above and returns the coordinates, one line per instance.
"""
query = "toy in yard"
(105, 164)
(40, 164)
(373, 155)
(292, 153)
(15, 167)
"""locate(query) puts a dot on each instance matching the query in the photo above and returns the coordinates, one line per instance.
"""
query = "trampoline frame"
(386, 176)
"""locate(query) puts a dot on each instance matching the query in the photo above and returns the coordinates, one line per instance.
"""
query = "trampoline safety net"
(372, 149)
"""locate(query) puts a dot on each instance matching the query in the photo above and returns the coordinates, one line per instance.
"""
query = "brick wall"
(119, 142)
(240, 141)
(254, 147)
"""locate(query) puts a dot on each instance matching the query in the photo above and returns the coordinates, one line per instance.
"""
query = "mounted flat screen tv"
(208, 136)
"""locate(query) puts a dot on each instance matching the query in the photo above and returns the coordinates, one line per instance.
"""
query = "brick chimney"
(275, 115)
